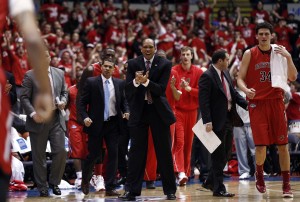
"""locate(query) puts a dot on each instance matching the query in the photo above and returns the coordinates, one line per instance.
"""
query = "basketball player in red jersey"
(266, 107)
(23, 13)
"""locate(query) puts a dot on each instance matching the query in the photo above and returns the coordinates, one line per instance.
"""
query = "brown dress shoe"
(112, 192)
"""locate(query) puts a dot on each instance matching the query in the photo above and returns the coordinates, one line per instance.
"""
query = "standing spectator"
(51, 10)
(202, 16)
(149, 109)
(247, 31)
(258, 14)
(41, 131)
(266, 107)
(186, 114)
(102, 106)
(217, 99)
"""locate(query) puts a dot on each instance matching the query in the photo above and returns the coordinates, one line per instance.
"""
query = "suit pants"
(110, 132)
(220, 156)
(151, 164)
(53, 132)
(138, 152)
(4, 184)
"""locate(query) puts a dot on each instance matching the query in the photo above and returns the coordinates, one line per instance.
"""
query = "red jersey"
(5, 118)
(5, 157)
(259, 76)
(19, 67)
(189, 100)
(293, 110)
(72, 102)
(169, 93)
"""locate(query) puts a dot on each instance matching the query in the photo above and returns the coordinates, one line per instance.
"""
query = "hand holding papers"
(209, 139)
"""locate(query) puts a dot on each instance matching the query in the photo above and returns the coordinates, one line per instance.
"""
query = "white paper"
(209, 140)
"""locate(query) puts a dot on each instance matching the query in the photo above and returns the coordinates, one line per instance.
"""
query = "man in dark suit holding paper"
(217, 100)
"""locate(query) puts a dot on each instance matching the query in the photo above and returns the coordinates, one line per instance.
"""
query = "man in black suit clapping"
(146, 81)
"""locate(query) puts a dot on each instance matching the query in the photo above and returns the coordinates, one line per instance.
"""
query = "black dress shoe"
(55, 189)
(121, 181)
(171, 197)
(207, 186)
(127, 196)
(226, 175)
(85, 187)
(44, 193)
(223, 194)
(112, 192)
(150, 185)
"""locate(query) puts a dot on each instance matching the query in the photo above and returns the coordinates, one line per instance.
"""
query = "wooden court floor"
(245, 192)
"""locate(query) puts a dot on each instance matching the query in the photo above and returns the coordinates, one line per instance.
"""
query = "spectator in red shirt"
(202, 16)
(51, 11)
(259, 14)
(283, 34)
(247, 30)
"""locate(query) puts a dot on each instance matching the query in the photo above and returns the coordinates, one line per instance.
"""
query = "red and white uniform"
(266, 109)
(186, 116)
(204, 15)
(78, 139)
(19, 66)
(15, 7)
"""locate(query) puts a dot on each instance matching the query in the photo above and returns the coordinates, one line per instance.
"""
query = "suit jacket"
(213, 101)
(159, 76)
(30, 90)
(91, 103)
(12, 93)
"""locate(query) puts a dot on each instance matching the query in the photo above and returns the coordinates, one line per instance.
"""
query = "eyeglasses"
(148, 47)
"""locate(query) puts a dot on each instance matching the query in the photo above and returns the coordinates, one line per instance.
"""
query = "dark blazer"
(30, 90)
(91, 103)
(12, 93)
(213, 100)
(159, 77)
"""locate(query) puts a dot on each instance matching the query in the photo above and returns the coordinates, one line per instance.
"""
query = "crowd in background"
(76, 34)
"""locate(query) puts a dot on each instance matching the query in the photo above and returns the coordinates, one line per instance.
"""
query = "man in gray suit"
(41, 131)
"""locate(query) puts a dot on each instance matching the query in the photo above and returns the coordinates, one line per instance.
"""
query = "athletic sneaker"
(97, 182)
(77, 183)
(182, 179)
(286, 191)
(244, 176)
(260, 182)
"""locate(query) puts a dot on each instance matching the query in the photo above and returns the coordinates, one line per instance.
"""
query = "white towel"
(278, 65)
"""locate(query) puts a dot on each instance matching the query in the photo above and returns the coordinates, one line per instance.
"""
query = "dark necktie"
(149, 97)
(106, 100)
(223, 83)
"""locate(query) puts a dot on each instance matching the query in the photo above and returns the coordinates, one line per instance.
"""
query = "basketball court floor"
(244, 189)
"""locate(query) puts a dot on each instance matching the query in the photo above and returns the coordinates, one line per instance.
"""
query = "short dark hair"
(218, 54)
(109, 60)
(264, 25)
(149, 39)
